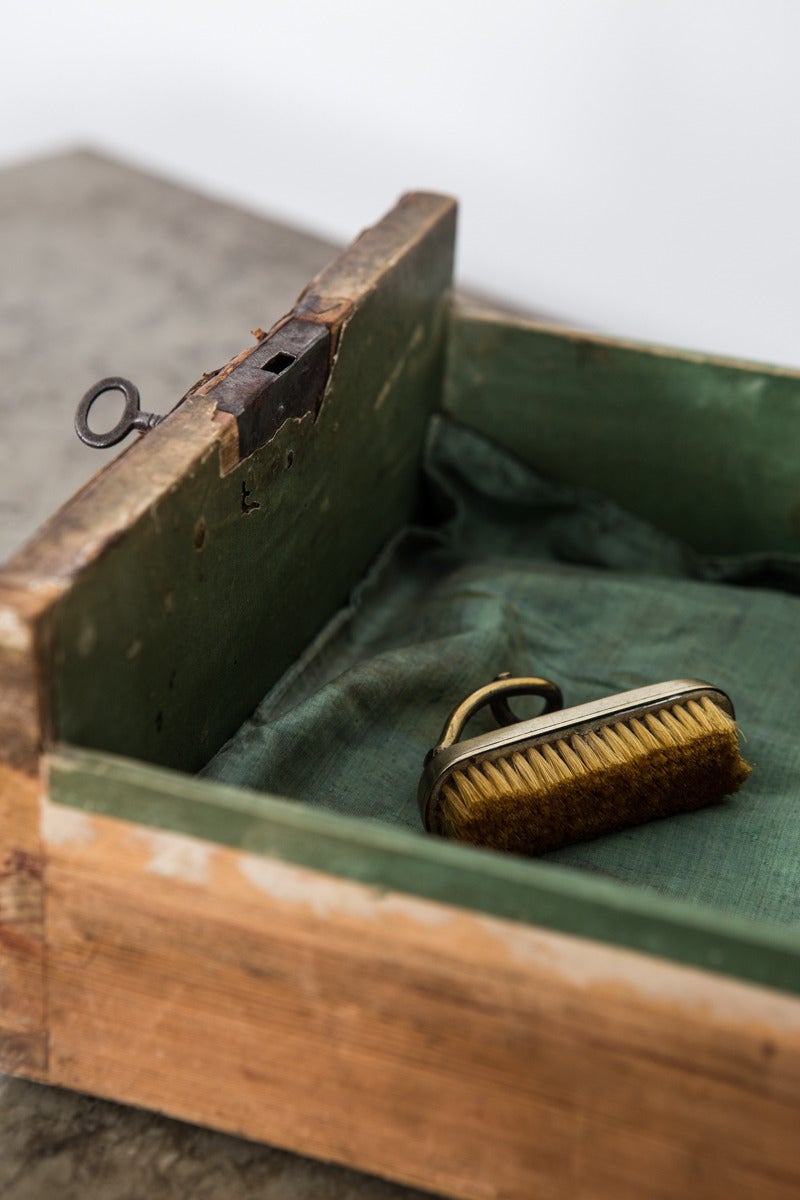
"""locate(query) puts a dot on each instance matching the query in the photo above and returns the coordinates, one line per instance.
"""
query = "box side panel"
(453, 1051)
(503, 885)
(23, 1039)
(190, 580)
(704, 448)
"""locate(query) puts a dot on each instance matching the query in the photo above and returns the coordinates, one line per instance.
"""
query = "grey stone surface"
(105, 270)
(57, 1144)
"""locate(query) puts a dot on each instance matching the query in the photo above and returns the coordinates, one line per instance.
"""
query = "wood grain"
(23, 1035)
(374, 852)
(458, 1052)
(22, 996)
(703, 447)
(22, 652)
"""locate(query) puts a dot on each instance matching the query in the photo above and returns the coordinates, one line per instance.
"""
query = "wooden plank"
(22, 1003)
(497, 884)
(706, 448)
(178, 580)
(23, 649)
(458, 1052)
(23, 1040)
(125, 497)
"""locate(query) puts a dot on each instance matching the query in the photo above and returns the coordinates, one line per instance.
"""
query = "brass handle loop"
(496, 694)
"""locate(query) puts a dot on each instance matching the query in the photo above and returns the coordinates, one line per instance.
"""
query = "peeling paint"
(14, 633)
(174, 856)
(324, 895)
(399, 367)
(328, 896)
(63, 826)
(86, 639)
(591, 965)
(420, 912)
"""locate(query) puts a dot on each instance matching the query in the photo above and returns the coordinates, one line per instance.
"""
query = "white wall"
(628, 166)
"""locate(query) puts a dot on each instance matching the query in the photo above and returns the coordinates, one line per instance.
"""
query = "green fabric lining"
(517, 573)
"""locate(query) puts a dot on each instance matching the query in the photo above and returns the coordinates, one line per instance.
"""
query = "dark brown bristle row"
(538, 798)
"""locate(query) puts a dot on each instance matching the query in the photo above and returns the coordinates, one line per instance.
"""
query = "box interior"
(510, 569)
(605, 515)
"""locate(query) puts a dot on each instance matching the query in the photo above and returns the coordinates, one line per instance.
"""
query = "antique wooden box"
(473, 1023)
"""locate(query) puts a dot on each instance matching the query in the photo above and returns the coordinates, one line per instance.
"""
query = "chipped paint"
(399, 367)
(14, 633)
(323, 894)
(327, 896)
(86, 639)
(589, 965)
(175, 856)
(63, 826)
(420, 912)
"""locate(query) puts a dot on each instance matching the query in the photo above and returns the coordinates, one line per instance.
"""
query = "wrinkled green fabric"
(516, 573)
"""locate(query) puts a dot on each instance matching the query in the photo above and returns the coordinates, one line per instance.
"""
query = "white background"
(626, 166)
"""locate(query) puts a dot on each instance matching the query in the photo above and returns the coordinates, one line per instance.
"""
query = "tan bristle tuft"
(538, 798)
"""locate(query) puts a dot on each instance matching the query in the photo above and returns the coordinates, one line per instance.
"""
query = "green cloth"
(520, 574)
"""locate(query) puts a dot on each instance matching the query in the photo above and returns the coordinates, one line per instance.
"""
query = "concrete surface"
(57, 1144)
(107, 271)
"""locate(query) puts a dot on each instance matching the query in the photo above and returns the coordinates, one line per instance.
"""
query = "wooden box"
(472, 1023)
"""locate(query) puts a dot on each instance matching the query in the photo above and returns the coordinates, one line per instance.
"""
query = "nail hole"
(200, 531)
(159, 722)
(290, 459)
(248, 506)
(279, 362)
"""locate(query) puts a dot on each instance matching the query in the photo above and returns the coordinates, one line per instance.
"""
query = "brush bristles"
(539, 798)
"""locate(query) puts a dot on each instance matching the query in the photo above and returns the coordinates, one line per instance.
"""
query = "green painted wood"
(201, 593)
(706, 449)
(502, 885)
